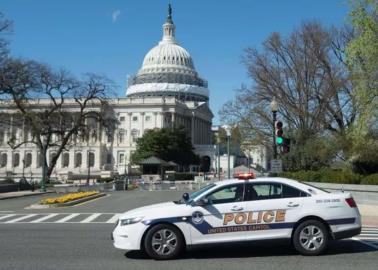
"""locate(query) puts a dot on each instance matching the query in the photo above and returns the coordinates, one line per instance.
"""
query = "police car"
(241, 210)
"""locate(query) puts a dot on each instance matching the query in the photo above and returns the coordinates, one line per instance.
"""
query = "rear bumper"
(347, 233)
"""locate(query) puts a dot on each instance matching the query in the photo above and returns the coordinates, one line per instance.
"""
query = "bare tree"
(306, 75)
(53, 109)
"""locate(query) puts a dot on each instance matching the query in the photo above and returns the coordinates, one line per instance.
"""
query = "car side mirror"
(185, 196)
(202, 202)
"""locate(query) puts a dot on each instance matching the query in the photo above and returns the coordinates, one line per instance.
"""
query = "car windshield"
(196, 194)
(200, 192)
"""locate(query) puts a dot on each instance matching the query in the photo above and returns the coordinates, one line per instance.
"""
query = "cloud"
(115, 15)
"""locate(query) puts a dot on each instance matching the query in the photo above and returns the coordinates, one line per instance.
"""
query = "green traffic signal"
(279, 140)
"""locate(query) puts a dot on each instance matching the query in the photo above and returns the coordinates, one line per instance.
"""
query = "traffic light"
(286, 146)
(279, 133)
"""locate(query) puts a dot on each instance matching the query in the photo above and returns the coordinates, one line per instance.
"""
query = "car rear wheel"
(311, 238)
(164, 242)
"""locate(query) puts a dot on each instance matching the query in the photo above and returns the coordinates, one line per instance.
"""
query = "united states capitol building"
(166, 92)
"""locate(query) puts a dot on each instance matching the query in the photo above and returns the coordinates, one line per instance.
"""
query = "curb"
(71, 203)
(25, 195)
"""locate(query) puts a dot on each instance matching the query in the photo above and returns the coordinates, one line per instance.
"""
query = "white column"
(10, 159)
(161, 119)
(142, 129)
(173, 119)
(192, 128)
(97, 164)
(129, 131)
(155, 119)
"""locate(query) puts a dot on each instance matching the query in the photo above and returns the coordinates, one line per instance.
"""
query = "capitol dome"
(168, 70)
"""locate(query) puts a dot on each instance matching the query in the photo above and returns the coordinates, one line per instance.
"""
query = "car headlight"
(128, 221)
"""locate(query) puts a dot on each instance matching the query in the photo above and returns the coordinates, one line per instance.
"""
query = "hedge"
(332, 176)
(371, 179)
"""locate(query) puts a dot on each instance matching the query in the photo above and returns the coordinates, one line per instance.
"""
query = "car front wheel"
(164, 242)
(311, 238)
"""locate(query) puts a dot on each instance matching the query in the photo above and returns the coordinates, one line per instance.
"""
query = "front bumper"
(128, 237)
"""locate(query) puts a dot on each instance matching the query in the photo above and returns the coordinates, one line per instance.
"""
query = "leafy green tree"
(362, 55)
(168, 144)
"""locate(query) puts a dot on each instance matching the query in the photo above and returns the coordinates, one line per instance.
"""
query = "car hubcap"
(311, 237)
(164, 242)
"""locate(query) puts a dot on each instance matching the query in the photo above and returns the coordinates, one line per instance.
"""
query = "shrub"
(68, 197)
(325, 175)
(179, 176)
(7, 181)
(371, 179)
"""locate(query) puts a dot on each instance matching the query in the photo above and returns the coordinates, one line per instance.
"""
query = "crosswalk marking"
(20, 218)
(91, 218)
(67, 218)
(44, 218)
(59, 218)
(368, 236)
(113, 219)
(7, 216)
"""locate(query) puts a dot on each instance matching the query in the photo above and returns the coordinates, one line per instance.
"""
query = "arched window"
(3, 160)
(78, 159)
(16, 159)
(65, 160)
(91, 158)
(28, 160)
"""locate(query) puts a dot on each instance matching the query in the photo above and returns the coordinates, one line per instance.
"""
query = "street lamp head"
(274, 105)
(228, 130)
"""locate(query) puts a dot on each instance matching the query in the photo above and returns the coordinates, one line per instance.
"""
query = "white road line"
(7, 216)
(91, 218)
(65, 219)
(369, 238)
(113, 219)
(44, 218)
(20, 218)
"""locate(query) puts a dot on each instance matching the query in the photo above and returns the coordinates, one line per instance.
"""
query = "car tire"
(164, 242)
(311, 238)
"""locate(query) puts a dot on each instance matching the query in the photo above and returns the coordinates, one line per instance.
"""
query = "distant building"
(166, 92)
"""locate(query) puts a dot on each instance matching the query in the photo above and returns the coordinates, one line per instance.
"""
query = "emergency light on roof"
(245, 176)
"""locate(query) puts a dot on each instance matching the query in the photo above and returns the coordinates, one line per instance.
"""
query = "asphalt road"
(88, 246)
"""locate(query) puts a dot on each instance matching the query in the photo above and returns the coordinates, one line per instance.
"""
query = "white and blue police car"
(241, 210)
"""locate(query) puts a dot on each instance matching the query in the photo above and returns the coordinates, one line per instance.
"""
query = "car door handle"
(293, 205)
(236, 208)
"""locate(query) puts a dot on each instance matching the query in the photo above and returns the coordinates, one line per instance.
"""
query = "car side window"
(292, 192)
(269, 191)
(228, 194)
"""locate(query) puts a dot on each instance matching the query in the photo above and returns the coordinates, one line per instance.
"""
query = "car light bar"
(245, 176)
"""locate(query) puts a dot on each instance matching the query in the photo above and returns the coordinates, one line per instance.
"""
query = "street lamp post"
(89, 166)
(228, 132)
(126, 176)
(218, 161)
(23, 168)
(274, 109)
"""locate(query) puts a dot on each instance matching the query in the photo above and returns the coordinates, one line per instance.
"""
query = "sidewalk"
(18, 194)
(369, 214)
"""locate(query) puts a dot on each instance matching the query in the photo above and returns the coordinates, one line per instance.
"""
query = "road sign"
(276, 166)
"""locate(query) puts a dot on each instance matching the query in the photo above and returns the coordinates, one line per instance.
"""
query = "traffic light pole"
(274, 135)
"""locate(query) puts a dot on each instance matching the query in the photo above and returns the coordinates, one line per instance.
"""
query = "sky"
(111, 37)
